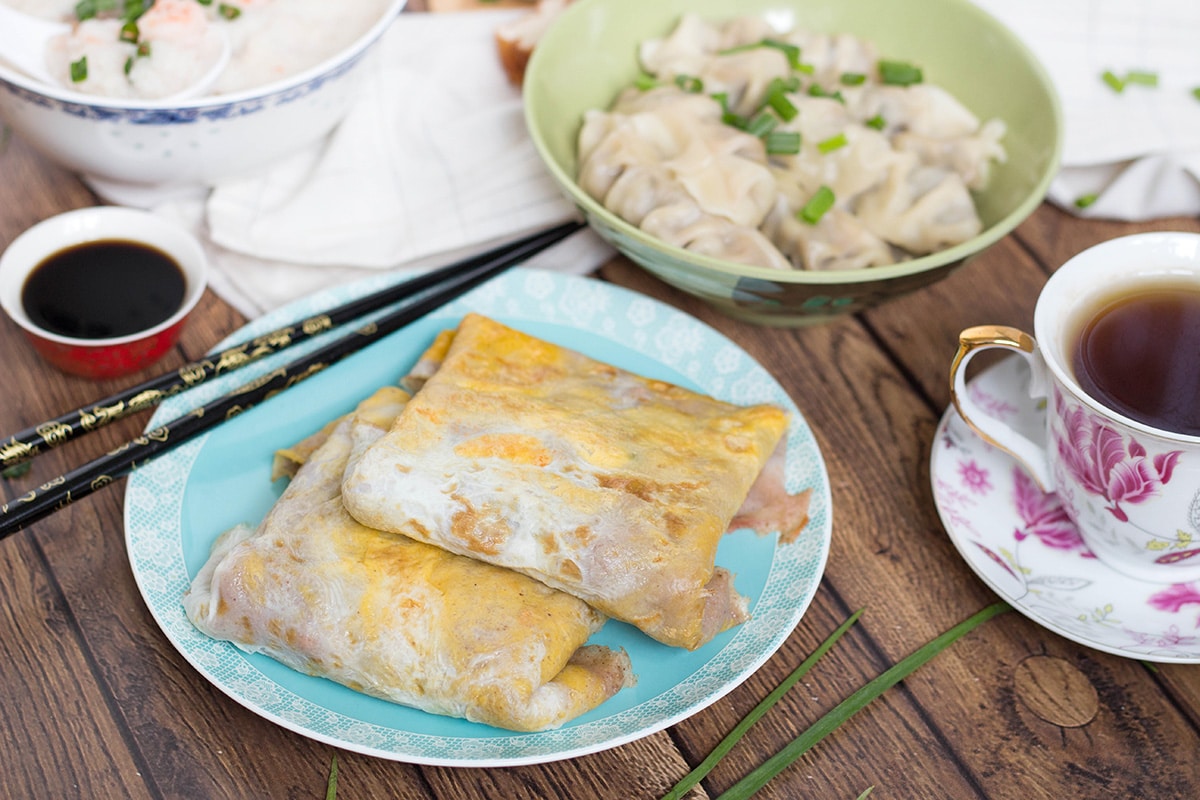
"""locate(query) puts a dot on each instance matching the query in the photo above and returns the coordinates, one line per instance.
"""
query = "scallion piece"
(229, 12)
(791, 51)
(856, 702)
(1085, 200)
(899, 73)
(1141, 78)
(129, 33)
(782, 143)
(689, 83)
(817, 205)
(128, 65)
(1113, 82)
(205, 2)
(645, 82)
(723, 99)
(735, 120)
(777, 99)
(85, 9)
(143, 49)
(832, 143)
(853, 79)
(877, 122)
(725, 745)
(79, 70)
(816, 90)
(1196, 93)
(761, 124)
(133, 9)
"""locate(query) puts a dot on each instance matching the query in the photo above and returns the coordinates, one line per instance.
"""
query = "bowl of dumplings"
(790, 161)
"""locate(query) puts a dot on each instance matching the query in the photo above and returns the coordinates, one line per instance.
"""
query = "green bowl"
(590, 53)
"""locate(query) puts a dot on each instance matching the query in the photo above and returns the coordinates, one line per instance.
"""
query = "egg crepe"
(396, 618)
(612, 487)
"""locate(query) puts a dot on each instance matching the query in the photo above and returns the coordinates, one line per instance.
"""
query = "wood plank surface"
(96, 702)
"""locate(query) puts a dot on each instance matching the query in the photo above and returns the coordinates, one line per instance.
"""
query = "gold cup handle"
(1031, 455)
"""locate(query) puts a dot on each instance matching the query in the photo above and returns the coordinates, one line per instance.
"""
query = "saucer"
(1021, 543)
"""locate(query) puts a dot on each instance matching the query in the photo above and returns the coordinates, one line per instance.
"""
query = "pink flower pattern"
(974, 477)
(1097, 457)
(1044, 517)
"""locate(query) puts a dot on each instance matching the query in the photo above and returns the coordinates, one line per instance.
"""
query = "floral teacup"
(1132, 490)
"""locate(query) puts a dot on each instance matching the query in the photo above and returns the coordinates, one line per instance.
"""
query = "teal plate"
(177, 505)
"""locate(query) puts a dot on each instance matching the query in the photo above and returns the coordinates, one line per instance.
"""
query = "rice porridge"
(114, 50)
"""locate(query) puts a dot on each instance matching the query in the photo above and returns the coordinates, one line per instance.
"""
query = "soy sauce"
(103, 289)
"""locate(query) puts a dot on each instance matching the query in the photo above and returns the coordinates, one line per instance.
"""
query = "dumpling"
(838, 241)
(971, 157)
(395, 618)
(684, 224)
(922, 209)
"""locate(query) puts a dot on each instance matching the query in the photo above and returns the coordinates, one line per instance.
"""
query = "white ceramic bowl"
(137, 152)
(111, 357)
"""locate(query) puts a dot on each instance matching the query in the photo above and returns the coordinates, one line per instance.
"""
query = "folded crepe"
(396, 618)
(612, 487)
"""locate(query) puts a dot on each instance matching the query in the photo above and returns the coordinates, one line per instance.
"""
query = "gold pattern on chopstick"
(146, 399)
(100, 415)
(368, 329)
(14, 451)
(59, 481)
(232, 359)
(160, 434)
(54, 433)
(194, 373)
(274, 340)
(99, 482)
(314, 325)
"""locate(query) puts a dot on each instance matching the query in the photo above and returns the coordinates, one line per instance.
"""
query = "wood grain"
(97, 703)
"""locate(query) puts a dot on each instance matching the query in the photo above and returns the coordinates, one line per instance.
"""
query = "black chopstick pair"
(443, 285)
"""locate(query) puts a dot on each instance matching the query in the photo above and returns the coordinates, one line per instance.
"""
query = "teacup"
(1126, 471)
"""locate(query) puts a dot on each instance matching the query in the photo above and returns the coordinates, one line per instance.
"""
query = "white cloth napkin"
(433, 162)
(1138, 150)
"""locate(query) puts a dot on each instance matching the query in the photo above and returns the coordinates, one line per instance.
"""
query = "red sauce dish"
(102, 292)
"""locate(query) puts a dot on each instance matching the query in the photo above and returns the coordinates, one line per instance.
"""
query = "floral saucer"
(1022, 544)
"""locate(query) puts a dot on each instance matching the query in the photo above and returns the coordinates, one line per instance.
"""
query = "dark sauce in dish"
(103, 289)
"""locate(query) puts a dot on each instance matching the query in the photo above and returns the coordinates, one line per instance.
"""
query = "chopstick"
(64, 490)
(27, 444)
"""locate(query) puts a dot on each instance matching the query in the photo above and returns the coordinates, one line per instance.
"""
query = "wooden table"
(96, 703)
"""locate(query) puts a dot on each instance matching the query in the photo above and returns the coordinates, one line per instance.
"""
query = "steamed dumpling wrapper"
(396, 618)
(610, 486)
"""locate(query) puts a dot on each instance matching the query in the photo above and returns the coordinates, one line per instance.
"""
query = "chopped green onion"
(846, 709)
(815, 90)
(899, 73)
(1085, 200)
(853, 79)
(735, 120)
(689, 83)
(133, 9)
(1141, 78)
(817, 205)
(723, 99)
(866, 793)
(1114, 83)
(17, 470)
(129, 33)
(761, 124)
(128, 65)
(791, 51)
(782, 143)
(79, 70)
(645, 82)
(832, 143)
(205, 2)
(85, 9)
(725, 745)
(229, 12)
(877, 122)
(777, 99)
(1196, 93)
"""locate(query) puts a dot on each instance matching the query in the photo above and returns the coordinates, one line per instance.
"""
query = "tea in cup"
(1116, 354)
